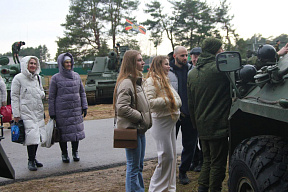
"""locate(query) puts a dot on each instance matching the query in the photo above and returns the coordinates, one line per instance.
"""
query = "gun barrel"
(8, 71)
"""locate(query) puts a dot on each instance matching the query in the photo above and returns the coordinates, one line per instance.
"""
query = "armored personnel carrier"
(258, 130)
(101, 80)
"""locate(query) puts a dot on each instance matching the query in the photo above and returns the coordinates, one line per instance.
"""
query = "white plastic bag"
(49, 131)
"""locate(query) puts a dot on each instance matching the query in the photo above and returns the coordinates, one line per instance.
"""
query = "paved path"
(96, 152)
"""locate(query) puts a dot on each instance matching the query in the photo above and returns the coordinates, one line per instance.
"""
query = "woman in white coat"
(26, 101)
(164, 104)
(3, 92)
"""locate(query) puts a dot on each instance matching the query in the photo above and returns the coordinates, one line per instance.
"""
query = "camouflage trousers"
(214, 164)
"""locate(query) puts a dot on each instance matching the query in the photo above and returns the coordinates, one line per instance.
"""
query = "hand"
(16, 119)
(53, 117)
(283, 50)
(4, 103)
(84, 112)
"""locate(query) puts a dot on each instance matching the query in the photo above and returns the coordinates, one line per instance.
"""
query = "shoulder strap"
(38, 80)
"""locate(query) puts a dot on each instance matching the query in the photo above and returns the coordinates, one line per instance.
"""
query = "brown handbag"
(125, 138)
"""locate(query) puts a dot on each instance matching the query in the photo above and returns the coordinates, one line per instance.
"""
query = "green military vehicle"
(258, 130)
(101, 80)
(8, 72)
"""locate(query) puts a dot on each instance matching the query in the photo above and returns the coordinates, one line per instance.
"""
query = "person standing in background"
(67, 104)
(3, 92)
(276, 46)
(194, 54)
(179, 68)
(197, 160)
(15, 50)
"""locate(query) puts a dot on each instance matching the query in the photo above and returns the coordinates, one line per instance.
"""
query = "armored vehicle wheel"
(91, 98)
(259, 164)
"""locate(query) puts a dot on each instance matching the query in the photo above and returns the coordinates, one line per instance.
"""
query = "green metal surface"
(259, 107)
(102, 78)
(8, 72)
(265, 101)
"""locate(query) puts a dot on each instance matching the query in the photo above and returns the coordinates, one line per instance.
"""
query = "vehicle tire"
(259, 164)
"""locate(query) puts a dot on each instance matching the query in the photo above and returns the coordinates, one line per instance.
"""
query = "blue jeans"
(135, 159)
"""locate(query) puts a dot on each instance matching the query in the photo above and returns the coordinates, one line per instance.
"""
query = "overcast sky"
(37, 22)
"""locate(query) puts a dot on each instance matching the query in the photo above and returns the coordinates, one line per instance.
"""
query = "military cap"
(196, 51)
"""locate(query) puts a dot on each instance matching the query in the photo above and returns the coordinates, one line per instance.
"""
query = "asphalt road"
(96, 152)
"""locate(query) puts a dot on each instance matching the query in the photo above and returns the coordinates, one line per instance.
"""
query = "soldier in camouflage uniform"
(209, 104)
(276, 46)
(15, 50)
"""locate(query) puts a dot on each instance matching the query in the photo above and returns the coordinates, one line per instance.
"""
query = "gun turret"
(102, 78)
(4, 60)
(7, 72)
(112, 63)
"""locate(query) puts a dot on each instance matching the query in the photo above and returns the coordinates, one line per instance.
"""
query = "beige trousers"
(163, 131)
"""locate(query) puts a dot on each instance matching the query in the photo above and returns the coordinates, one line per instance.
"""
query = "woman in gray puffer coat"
(67, 103)
(26, 101)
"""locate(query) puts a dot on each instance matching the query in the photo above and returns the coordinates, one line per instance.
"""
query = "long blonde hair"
(157, 73)
(128, 69)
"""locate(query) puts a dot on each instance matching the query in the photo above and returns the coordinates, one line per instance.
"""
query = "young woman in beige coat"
(164, 104)
(132, 109)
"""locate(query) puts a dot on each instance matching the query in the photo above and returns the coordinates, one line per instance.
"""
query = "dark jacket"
(209, 98)
(67, 99)
(16, 47)
(178, 80)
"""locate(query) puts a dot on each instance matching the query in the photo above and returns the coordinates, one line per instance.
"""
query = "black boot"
(32, 166)
(38, 164)
(65, 158)
(198, 167)
(75, 156)
(183, 179)
(193, 165)
(203, 188)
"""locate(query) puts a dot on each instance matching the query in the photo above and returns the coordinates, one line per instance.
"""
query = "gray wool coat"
(67, 99)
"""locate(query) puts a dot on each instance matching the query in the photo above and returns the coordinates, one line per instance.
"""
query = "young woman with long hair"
(132, 111)
(164, 104)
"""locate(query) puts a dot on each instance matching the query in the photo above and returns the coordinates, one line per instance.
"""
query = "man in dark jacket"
(178, 73)
(209, 104)
(197, 161)
(15, 50)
